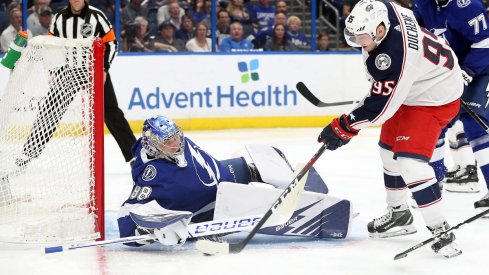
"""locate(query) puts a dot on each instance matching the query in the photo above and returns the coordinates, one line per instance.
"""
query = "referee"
(80, 20)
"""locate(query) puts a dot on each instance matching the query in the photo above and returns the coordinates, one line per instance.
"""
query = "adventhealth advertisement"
(235, 86)
(232, 91)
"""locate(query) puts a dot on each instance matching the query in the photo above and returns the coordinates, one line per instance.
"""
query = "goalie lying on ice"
(176, 182)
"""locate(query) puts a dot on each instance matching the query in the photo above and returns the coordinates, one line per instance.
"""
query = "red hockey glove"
(337, 133)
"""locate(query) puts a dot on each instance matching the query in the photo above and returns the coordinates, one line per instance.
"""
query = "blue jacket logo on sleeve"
(149, 173)
(383, 61)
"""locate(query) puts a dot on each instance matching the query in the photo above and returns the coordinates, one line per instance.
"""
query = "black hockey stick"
(210, 248)
(305, 92)
(405, 253)
(474, 116)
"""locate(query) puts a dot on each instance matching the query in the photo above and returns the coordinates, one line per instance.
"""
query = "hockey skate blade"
(449, 251)
(469, 187)
(402, 230)
(209, 247)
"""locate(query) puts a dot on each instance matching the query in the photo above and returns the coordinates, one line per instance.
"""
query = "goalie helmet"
(162, 138)
(365, 17)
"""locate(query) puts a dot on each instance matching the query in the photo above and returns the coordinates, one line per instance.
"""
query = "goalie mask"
(365, 17)
(162, 138)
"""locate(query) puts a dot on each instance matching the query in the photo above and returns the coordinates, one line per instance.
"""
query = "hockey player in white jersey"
(415, 92)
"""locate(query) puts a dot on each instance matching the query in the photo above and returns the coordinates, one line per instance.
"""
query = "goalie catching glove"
(337, 133)
(170, 227)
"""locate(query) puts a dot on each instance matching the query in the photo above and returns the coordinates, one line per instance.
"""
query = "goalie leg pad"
(275, 169)
(272, 164)
(317, 215)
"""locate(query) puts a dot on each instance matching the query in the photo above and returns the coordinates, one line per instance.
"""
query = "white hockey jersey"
(411, 66)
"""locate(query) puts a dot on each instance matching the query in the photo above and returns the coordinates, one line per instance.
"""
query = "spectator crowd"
(184, 26)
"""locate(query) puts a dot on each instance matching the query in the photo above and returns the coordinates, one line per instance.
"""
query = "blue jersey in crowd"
(299, 39)
(262, 16)
(190, 188)
(229, 45)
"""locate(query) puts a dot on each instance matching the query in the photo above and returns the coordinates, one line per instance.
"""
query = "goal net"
(51, 143)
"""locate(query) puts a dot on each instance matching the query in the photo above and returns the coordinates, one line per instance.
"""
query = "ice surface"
(353, 172)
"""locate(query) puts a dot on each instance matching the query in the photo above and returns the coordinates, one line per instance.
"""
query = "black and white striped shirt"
(91, 22)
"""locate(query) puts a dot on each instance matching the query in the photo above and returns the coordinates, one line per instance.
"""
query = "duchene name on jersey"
(411, 30)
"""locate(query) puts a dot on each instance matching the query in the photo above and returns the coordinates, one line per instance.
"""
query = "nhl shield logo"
(86, 30)
(383, 61)
(149, 173)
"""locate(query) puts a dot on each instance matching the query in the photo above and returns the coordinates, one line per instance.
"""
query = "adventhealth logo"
(249, 72)
(219, 96)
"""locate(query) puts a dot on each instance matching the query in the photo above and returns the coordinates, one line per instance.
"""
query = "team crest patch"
(86, 30)
(383, 61)
(463, 3)
(149, 173)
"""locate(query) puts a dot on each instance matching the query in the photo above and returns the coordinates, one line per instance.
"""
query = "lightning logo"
(202, 162)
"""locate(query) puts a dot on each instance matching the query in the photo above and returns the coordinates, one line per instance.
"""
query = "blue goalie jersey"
(191, 188)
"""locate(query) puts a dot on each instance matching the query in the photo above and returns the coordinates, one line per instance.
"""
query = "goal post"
(52, 143)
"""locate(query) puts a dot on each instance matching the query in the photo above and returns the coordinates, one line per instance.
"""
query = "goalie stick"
(405, 253)
(305, 92)
(194, 231)
(210, 247)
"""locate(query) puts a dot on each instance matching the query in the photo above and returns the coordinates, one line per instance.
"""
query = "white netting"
(46, 152)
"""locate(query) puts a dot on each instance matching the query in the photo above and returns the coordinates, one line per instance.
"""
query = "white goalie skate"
(397, 221)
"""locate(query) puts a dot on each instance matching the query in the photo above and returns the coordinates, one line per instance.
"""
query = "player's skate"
(444, 244)
(462, 179)
(483, 202)
(396, 221)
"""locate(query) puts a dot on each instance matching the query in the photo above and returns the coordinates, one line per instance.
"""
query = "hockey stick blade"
(305, 92)
(471, 219)
(210, 248)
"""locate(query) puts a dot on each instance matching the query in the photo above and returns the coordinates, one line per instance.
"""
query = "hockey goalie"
(177, 183)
